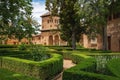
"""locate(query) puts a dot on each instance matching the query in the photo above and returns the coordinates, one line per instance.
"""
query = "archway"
(56, 40)
(50, 40)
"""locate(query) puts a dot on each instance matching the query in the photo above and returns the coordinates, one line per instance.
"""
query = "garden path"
(66, 64)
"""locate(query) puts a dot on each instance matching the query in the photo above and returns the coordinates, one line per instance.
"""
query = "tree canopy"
(15, 19)
(79, 17)
(101, 11)
(71, 19)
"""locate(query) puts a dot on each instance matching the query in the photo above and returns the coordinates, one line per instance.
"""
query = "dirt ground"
(66, 64)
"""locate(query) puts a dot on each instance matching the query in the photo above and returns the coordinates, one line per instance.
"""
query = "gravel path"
(66, 64)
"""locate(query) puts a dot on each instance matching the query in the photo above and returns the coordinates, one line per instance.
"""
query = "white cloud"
(38, 10)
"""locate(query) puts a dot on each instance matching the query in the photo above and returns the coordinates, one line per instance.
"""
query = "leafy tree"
(71, 19)
(15, 19)
(99, 12)
(83, 16)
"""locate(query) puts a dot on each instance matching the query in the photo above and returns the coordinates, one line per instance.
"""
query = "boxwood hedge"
(81, 71)
(9, 75)
(114, 66)
(8, 46)
(0, 62)
(8, 52)
(44, 70)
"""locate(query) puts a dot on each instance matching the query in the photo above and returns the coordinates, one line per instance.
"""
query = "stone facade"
(50, 35)
(16, 41)
(95, 43)
(113, 31)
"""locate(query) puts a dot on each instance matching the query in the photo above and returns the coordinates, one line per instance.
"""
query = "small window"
(94, 41)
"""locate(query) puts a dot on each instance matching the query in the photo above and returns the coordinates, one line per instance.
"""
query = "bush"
(67, 54)
(44, 70)
(114, 66)
(8, 46)
(9, 75)
(77, 58)
(84, 70)
(22, 47)
(0, 62)
(4, 52)
(39, 53)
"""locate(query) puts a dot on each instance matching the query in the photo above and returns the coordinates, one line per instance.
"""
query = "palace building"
(50, 34)
(113, 33)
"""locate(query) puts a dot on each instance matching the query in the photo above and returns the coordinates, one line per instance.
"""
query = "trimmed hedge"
(9, 75)
(4, 52)
(77, 58)
(114, 66)
(44, 70)
(0, 62)
(8, 46)
(82, 70)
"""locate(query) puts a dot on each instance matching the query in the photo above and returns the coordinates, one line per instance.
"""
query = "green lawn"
(8, 75)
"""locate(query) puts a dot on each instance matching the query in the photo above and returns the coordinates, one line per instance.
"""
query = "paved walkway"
(66, 64)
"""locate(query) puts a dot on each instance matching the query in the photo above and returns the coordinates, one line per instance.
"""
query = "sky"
(38, 9)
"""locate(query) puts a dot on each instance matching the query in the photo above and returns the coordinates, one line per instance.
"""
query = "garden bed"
(86, 70)
(9, 75)
(44, 70)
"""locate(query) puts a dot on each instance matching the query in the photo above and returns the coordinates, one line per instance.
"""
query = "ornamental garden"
(36, 62)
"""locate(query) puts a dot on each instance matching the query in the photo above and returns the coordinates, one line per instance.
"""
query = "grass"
(8, 75)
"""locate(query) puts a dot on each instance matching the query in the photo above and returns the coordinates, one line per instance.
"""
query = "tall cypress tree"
(71, 20)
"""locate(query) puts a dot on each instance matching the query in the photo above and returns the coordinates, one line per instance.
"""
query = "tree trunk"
(73, 41)
(104, 35)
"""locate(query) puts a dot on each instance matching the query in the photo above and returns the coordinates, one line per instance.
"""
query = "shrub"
(4, 52)
(44, 70)
(9, 75)
(114, 66)
(39, 53)
(0, 62)
(84, 70)
(67, 54)
(8, 46)
(77, 58)
(22, 47)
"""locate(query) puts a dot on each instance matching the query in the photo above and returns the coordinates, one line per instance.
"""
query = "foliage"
(44, 70)
(114, 66)
(99, 12)
(39, 52)
(79, 17)
(16, 20)
(22, 47)
(71, 20)
(9, 52)
(9, 75)
(85, 70)
(8, 46)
